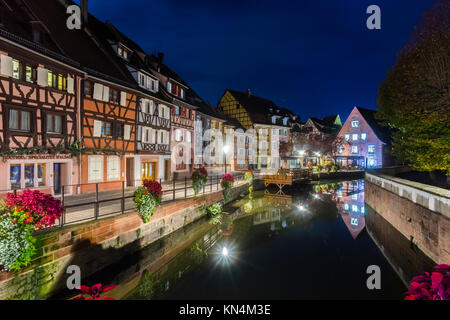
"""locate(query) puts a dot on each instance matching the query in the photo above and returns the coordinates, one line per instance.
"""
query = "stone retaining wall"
(420, 212)
(97, 244)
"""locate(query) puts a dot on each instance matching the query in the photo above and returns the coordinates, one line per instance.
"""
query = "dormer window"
(355, 124)
(148, 82)
(122, 52)
(175, 89)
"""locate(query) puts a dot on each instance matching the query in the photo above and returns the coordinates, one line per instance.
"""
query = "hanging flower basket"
(249, 177)
(146, 198)
(227, 183)
(199, 178)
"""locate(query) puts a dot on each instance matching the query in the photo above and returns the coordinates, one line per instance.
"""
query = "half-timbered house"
(184, 105)
(38, 105)
(153, 109)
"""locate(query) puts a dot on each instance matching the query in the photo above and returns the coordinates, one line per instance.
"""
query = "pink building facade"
(363, 141)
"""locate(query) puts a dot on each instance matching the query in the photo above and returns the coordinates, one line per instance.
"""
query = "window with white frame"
(347, 137)
(95, 168)
(363, 136)
(355, 124)
(354, 149)
(354, 136)
(113, 168)
(371, 148)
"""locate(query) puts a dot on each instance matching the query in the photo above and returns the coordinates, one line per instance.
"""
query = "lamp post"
(226, 148)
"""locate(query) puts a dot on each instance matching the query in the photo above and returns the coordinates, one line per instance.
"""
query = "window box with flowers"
(146, 198)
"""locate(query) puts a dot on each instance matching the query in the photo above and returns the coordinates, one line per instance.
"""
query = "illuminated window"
(371, 148)
(41, 174)
(354, 149)
(354, 208)
(29, 175)
(15, 176)
(363, 136)
(355, 137)
(347, 137)
(363, 210)
(346, 206)
(355, 124)
(16, 69)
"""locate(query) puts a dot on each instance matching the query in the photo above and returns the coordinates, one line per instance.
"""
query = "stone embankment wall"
(420, 212)
(94, 245)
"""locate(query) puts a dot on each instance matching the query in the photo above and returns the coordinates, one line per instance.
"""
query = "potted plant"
(199, 178)
(226, 183)
(146, 198)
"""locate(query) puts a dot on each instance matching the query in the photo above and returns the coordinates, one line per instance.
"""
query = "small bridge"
(287, 177)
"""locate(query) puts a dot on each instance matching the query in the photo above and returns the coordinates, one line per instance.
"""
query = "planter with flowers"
(20, 215)
(249, 177)
(199, 178)
(146, 198)
(227, 183)
(434, 286)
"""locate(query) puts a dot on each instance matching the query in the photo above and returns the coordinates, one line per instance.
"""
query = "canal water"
(315, 242)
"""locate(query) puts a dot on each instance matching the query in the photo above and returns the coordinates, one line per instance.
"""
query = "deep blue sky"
(315, 57)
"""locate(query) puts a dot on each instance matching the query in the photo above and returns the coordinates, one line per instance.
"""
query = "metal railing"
(93, 201)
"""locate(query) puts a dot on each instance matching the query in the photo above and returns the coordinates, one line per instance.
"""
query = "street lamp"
(226, 148)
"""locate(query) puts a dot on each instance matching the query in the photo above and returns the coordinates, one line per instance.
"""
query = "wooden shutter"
(98, 91)
(70, 85)
(42, 77)
(127, 132)
(97, 128)
(6, 66)
(105, 93)
(123, 98)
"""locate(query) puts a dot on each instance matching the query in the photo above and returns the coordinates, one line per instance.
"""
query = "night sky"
(315, 57)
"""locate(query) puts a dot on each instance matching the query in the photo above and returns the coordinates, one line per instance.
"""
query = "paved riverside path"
(81, 207)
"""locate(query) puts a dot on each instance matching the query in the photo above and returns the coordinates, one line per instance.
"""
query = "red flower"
(95, 291)
(153, 187)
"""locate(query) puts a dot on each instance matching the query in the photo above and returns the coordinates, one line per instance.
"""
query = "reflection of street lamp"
(226, 148)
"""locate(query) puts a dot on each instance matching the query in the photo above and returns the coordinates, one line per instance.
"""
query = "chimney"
(249, 93)
(84, 12)
(160, 58)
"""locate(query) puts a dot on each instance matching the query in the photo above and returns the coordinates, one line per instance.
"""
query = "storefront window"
(29, 175)
(41, 174)
(14, 176)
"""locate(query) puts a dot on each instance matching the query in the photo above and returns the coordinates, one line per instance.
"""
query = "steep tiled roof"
(259, 109)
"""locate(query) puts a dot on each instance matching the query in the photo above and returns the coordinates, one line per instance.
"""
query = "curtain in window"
(25, 121)
(13, 119)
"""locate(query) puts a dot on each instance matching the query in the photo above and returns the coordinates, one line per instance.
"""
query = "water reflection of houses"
(350, 204)
(271, 208)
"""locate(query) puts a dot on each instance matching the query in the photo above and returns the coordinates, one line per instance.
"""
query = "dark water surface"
(315, 243)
